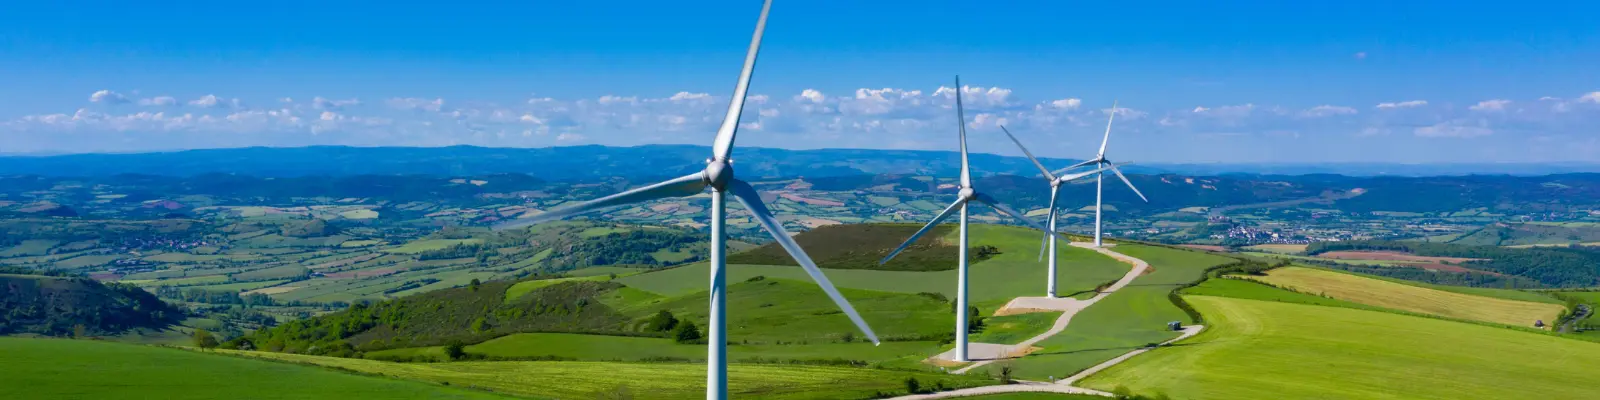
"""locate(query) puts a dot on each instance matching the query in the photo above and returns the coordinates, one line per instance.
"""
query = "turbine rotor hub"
(717, 174)
(967, 193)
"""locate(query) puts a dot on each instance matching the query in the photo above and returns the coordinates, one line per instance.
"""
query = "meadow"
(580, 379)
(1257, 349)
(1016, 271)
(1399, 296)
(623, 348)
(60, 368)
(1125, 320)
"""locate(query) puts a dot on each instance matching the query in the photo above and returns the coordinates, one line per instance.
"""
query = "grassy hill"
(53, 368)
(1015, 271)
(470, 314)
(1125, 320)
(57, 306)
(1400, 296)
(577, 379)
(1256, 349)
(577, 347)
(860, 246)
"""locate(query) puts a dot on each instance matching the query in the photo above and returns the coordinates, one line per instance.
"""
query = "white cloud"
(569, 137)
(686, 97)
(414, 103)
(1490, 105)
(1360, 55)
(1066, 104)
(610, 99)
(107, 96)
(811, 95)
(161, 101)
(212, 101)
(1403, 104)
(1327, 110)
(1591, 97)
(1457, 129)
(1200, 109)
(328, 104)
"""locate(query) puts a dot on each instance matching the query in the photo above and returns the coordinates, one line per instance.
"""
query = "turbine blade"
(1130, 184)
(1075, 166)
(1047, 174)
(961, 125)
(687, 185)
(730, 123)
(1049, 216)
(1080, 175)
(986, 199)
(925, 228)
(752, 201)
(1107, 138)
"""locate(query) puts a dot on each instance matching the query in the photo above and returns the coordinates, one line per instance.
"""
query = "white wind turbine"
(967, 194)
(1100, 179)
(718, 176)
(1055, 189)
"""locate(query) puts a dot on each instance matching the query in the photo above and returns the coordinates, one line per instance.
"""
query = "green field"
(1399, 296)
(1123, 321)
(239, 287)
(621, 348)
(1015, 328)
(585, 380)
(789, 310)
(31, 247)
(1033, 396)
(1278, 248)
(1269, 350)
(430, 244)
(58, 368)
(1015, 272)
(522, 288)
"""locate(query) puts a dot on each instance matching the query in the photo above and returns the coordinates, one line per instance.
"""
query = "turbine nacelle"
(718, 173)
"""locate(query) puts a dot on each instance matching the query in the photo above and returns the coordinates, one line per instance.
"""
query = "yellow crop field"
(1399, 296)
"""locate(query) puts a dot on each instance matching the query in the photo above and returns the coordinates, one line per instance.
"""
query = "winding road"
(1069, 307)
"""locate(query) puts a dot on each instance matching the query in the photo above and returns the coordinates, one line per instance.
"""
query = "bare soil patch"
(1206, 247)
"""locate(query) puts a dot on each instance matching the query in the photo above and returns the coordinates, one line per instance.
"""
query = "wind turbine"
(966, 195)
(1100, 178)
(1055, 189)
(718, 176)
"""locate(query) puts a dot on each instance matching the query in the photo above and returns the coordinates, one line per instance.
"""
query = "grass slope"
(789, 310)
(1125, 320)
(620, 348)
(584, 380)
(1405, 297)
(51, 368)
(1269, 350)
(1015, 272)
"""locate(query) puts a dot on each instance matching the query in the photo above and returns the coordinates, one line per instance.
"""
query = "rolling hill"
(54, 368)
(63, 306)
(1268, 343)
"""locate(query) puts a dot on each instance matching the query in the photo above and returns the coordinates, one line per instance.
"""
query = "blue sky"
(1239, 81)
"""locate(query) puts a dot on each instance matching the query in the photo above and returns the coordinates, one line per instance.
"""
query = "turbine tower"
(1055, 189)
(718, 176)
(967, 194)
(1100, 178)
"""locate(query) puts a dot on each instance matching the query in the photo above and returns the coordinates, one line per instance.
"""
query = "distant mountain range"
(588, 162)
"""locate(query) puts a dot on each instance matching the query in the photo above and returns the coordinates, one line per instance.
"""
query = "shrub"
(686, 332)
(455, 350)
(204, 340)
(912, 386)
